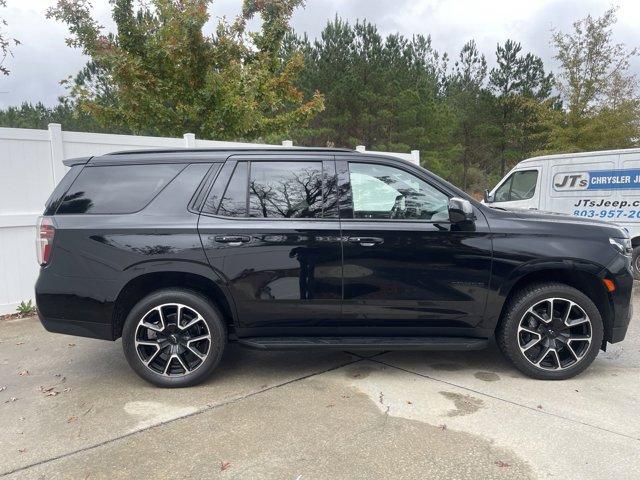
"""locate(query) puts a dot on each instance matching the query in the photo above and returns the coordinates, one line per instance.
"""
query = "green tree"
(159, 74)
(599, 94)
(520, 85)
(39, 116)
(466, 90)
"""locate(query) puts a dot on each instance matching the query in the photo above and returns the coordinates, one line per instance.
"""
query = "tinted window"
(286, 190)
(116, 189)
(234, 201)
(380, 191)
(519, 186)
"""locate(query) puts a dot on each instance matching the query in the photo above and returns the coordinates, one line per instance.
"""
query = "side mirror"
(460, 210)
(488, 198)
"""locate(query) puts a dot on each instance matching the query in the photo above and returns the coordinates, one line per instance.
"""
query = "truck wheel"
(635, 263)
(550, 331)
(174, 338)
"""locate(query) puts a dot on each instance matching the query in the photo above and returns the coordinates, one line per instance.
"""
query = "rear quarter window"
(116, 189)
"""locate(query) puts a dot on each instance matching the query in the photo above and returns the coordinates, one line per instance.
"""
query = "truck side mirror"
(488, 198)
(460, 210)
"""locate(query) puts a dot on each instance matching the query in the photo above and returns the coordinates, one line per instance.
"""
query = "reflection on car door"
(270, 227)
(405, 266)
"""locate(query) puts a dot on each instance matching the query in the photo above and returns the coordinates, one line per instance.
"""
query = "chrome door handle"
(366, 241)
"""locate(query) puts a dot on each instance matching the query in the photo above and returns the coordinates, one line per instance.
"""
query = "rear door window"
(286, 190)
(117, 189)
(276, 189)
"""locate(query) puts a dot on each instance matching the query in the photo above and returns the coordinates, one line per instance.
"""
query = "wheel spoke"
(541, 357)
(196, 352)
(199, 339)
(576, 321)
(166, 367)
(579, 338)
(559, 363)
(568, 312)
(179, 358)
(192, 323)
(573, 352)
(530, 344)
(537, 315)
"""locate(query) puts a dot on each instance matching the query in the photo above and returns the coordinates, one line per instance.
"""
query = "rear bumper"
(74, 306)
(77, 328)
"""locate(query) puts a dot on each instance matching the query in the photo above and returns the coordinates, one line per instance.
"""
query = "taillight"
(45, 231)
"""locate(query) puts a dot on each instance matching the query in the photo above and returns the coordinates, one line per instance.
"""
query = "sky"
(43, 58)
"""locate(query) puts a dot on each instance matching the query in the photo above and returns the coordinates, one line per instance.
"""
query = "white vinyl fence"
(31, 166)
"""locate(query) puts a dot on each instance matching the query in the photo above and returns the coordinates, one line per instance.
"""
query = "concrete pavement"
(72, 408)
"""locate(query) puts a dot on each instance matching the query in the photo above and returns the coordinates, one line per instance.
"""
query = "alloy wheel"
(172, 340)
(554, 334)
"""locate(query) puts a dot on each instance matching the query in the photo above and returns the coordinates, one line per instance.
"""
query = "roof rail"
(228, 149)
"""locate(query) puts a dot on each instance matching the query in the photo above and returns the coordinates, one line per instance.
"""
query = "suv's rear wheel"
(551, 331)
(174, 338)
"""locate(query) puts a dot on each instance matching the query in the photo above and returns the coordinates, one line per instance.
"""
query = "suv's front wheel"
(174, 338)
(550, 331)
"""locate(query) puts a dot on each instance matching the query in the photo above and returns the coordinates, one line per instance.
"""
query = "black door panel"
(285, 273)
(405, 265)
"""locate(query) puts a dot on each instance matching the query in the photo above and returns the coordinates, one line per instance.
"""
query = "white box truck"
(601, 185)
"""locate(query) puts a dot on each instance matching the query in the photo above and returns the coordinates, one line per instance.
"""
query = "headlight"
(622, 245)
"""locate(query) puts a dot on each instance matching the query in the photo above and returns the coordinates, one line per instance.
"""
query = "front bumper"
(621, 299)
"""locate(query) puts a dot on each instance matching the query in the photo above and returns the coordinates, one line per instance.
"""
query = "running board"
(364, 343)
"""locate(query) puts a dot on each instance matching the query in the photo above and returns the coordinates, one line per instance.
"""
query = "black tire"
(635, 263)
(201, 312)
(509, 337)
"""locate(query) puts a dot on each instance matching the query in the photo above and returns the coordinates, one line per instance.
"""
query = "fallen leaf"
(502, 464)
(20, 343)
(68, 389)
(3, 388)
(442, 427)
(539, 407)
(409, 402)
(224, 465)
(381, 397)
(12, 399)
(22, 450)
(331, 405)
(71, 344)
(72, 419)
(23, 373)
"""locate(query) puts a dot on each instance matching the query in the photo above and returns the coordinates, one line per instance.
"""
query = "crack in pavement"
(189, 415)
(511, 402)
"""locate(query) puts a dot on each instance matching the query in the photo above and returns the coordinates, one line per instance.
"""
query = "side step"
(364, 343)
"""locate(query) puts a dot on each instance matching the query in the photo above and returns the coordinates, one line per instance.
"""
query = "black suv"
(181, 251)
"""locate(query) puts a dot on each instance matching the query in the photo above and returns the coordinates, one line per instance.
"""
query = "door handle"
(233, 240)
(366, 241)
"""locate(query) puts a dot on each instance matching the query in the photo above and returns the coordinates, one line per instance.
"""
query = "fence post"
(361, 148)
(415, 156)
(57, 152)
(189, 140)
(287, 143)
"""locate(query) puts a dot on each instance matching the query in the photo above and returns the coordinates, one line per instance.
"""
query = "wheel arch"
(150, 281)
(588, 282)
